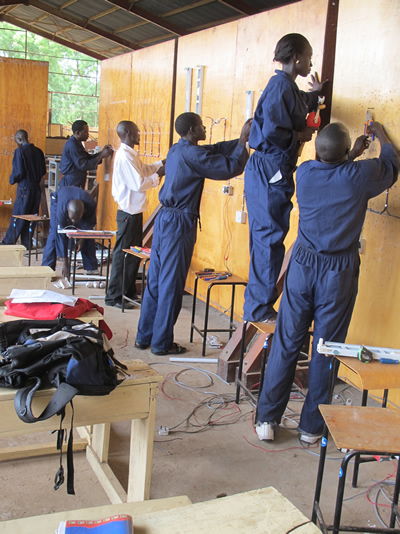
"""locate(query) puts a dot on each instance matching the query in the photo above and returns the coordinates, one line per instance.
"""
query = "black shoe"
(127, 305)
(174, 349)
(140, 346)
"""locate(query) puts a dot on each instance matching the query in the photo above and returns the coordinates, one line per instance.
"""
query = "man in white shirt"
(131, 179)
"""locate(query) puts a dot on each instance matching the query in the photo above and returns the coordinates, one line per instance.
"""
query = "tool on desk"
(368, 120)
(365, 355)
(387, 360)
(217, 276)
(330, 348)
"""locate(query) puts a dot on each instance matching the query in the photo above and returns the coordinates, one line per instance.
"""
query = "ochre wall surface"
(367, 76)
(22, 108)
(238, 58)
(138, 87)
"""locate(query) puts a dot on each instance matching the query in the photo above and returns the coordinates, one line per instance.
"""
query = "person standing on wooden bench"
(28, 169)
(322, 277)
(75, 161)
(278, 129)
(175, 228)
(70, 207)
(131, 179)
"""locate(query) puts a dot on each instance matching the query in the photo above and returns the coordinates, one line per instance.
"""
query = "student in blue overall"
(75, 161)
(70, 207)
(322, 278)
(28, 169)
(278, 128)
(175, 228)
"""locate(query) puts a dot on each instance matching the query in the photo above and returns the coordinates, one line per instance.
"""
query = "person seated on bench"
(70, 207)
(321, 281)
(175, 228)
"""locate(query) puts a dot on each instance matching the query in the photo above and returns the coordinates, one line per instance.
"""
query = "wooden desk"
(134, 400)
(144, 259)
(23, 278)
(31, 219)
(92, 316)
(11, 255)
(263, 511)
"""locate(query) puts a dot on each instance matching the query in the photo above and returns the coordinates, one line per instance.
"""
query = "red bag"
(52, 310)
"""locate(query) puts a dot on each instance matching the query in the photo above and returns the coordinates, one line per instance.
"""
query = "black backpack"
(72, 356)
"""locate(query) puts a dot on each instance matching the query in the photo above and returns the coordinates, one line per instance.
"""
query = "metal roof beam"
(11, 3)
(83, 24)
(242, 7)
(150, 17)
(51, 37)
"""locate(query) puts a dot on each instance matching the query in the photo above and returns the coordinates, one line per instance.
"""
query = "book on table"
(117, 524)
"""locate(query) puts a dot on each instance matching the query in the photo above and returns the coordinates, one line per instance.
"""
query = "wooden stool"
(31, 219)
(362, 431)
(145, 258)
(232, 281)
(370, 376)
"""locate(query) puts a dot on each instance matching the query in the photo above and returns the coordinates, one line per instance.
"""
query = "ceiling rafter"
(51, 37)
(148, 16)
(67, 4)
(103, 14)
(242, 7)
(85, 25)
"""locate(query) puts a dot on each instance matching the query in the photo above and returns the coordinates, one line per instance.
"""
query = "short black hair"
(288, 46)
(333, 142)
(78, 125)
(185, 121)
(22, 133)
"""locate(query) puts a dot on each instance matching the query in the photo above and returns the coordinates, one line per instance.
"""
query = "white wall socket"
(241, 217)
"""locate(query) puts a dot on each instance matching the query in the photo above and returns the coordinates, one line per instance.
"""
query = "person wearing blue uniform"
(175, 228)
(28, 169)
(75, 161)
(321, 281)
(70, 207)
(278, 129)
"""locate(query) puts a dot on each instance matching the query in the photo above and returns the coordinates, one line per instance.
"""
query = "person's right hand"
(244, 134)
(161, 171)
(375, 128)
(107, 151)
(306, 134)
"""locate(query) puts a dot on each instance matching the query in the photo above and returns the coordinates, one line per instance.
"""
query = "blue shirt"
(333, 198)
(28, 166)
(75, 162)
(63, 197)
(188, 165)
(280, 114)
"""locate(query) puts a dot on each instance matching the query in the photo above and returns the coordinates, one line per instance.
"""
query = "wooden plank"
(101, 441)
(228, 360)
(40, 449)
(11, 255)
(109, 482)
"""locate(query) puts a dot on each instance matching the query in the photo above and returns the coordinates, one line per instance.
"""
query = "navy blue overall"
(75, 162)
(280, 114)
(57, 244)
(322, 278)
(175, 231)
(28, 168)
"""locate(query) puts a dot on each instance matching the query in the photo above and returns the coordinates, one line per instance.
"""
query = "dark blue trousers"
(26, 203)
(171, 252)
(269, 206)
(319, 287)
(88, 249)
(129, 234)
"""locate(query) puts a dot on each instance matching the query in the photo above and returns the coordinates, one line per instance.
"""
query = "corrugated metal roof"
(106, 28)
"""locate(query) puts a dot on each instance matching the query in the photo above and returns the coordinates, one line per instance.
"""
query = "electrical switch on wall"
(241, 217)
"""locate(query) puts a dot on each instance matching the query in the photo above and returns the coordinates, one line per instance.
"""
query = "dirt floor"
(211, 449)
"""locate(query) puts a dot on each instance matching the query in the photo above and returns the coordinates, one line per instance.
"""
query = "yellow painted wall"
(238, 57)
(22, 108)
(138, 87)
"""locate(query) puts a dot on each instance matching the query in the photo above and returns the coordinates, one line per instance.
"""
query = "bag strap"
(23, 401)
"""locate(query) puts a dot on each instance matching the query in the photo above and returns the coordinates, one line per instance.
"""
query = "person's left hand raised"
(316, 84)
(244, 134)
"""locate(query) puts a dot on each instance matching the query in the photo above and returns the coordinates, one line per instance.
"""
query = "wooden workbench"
(23, 278)
(11, 255)
(133, 400)
(92, 316)
(263, 511)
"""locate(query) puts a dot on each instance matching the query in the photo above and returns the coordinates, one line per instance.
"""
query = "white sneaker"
(266, 431)
(310, 438)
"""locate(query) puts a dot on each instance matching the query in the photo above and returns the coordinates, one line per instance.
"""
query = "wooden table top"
(32, 218)
(136, 253)
(363, 428)
(373, 375)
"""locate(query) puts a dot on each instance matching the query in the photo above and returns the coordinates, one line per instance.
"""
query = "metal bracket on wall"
(188, 98)
(199, 91)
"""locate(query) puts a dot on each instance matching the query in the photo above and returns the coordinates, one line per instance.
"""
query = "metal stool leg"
(123, 283)
(240, 369)
(232, 308)
(203, 353)
(320, 476)
(108, 263)
(29, 243)
(193, 308)
(265, 353)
